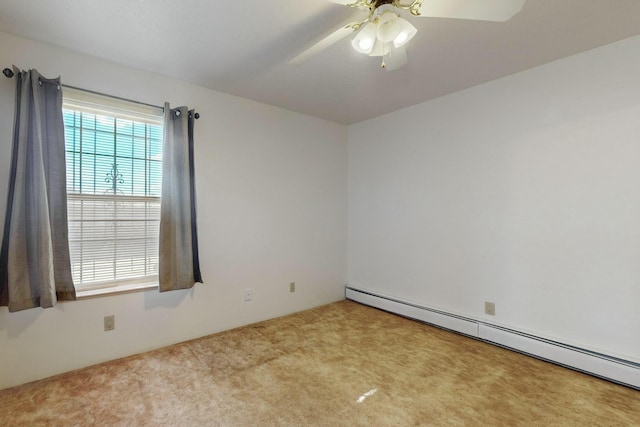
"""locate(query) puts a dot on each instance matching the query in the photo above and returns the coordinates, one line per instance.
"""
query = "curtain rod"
(8, 73)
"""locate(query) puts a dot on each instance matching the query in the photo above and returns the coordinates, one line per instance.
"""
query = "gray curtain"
(34, 259)
(179, 260)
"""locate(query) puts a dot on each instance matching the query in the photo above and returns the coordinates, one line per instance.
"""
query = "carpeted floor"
(341, 364)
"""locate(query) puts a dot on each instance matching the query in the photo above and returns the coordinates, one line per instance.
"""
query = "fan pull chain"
(386, 48)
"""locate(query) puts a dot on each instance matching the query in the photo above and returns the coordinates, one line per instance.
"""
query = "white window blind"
(114, 178)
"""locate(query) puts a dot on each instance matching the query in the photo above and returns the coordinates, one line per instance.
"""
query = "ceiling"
(242, 47)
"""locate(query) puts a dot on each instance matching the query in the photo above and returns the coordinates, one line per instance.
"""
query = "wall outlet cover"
(109, 323)
(490, 308)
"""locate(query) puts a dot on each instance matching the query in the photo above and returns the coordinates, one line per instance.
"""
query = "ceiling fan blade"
(327, 41)
(481, 10)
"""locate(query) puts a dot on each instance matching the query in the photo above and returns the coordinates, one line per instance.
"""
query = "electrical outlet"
(109, 323)
(292, 287)
(248, 294)
(489, 308)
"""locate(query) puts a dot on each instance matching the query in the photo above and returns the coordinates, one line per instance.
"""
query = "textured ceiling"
(243, 47)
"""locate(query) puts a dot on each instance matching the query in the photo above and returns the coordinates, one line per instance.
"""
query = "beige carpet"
(341, 364)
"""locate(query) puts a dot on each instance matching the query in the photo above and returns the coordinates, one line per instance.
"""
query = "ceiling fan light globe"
(395, 58)
(364, 41)
(379, 49)
(365, 44)
(389, 26)
(407, 33)
(400, 40)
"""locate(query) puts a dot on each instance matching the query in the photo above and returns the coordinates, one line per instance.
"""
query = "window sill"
(115, 290)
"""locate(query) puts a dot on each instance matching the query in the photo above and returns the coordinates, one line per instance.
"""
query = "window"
(114, 178)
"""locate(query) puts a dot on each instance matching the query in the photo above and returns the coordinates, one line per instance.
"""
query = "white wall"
(272, 191)
(524, 191)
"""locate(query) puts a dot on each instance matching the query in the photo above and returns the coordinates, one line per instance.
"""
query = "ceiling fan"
(384, 32)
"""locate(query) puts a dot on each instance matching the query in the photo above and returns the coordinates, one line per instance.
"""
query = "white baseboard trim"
(600, 365)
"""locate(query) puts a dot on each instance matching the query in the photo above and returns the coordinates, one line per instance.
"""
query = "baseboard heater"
(600, 365)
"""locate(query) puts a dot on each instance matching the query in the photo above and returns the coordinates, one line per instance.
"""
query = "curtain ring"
(177, 113)
(39, 81)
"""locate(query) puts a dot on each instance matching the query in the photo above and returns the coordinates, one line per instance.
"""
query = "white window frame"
(94, 103)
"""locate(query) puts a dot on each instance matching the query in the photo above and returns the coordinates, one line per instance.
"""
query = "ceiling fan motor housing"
(379, 3)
